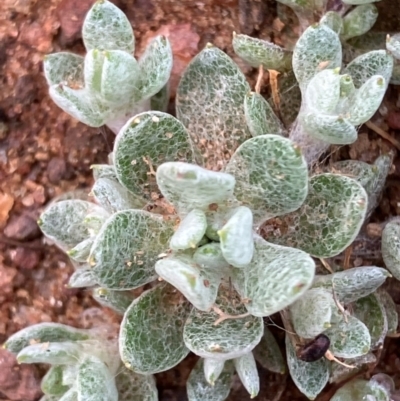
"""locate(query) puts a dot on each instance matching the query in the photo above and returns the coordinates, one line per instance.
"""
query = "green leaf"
(209, 102)
(225, 340)
(187, 186)
(360, 390)
(199, 390)
(63, 67)
(271, 176)
(43, 333)
(197, 285)
(236, 237)
(376, 62)
(309, 377)
(114, 197)
(329, 219)
(52, 382)
(95, 382)
(312, 313)
(155, 67)
(260, 117)
(359, 21)
(372, 313)
(127, 247)
(391, 247)
(55, 353)
(390, 310)
(82, 278)
(134, 387)
(212, 370)
(276, 277)
(246, 368)
(355, 283)
(210, 256)
(332, 20)
(318, 44)
(190, 231)
(143, 144)
(349, 339)
(258, 52)
(161, 309)
(118, 301)
(107, 28)
(268, 353)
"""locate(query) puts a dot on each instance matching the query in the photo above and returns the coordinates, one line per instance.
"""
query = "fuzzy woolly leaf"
(318, 44)
(228, 339)
(209, 102)
(312, 313)
(349, 340)
(276, 277)
(329, 219)
(372, 313)
(309, 377)
(52, 382)
(106, 27)
(119, 301)
(258, 52)
(155, 67)
(271, 176)
(199, 390)
(199, 287)
(212, 370)
(236, 237)
(43, 333)
(260, 117)
(187, 186)
(190, 231)
(355, 283)
(391, 247)
(82, 278)
(143, 144)
(63, 67)
(359, 21)
(376, 62)
(268, 354)
(360, 390)
(159, 310)
(127, 247)
(134, 387)
(95, 382)
(246, 368)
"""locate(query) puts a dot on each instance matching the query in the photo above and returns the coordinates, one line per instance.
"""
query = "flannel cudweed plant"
(185, 200)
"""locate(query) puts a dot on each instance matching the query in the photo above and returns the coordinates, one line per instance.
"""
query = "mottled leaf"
(391, 247)
(63, 67)
(246, 368)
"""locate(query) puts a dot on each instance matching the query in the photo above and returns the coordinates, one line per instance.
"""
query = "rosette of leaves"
(108, 85)
(82, 363)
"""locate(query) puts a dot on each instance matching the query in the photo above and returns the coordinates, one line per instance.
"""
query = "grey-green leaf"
(391, 247)
(246, 368)
(359, 21)
(119, 301)
(52, 382)
(63, 67)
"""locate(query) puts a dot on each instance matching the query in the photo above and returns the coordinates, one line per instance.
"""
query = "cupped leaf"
(155, 67)
(187, 186)
(268, 354)
(317, 48)
(359, 21)
(276, 277)
(260, 117)
(330, 218)
(246, 368)
(127, 247)
(44, 333)
(52, 382)
(350, 285)
(82, 278)
(258, 52)
(236, 237)
(134, 387)
(143, 144)
(119, 301)
(161, 309)
(95, 381)
(198, 389)
(309, 377)
(209, 102)
(212, 369)
(210, 256)
(229, 339)
(63, 67)
(349, 339)
(391, 247)
(197, 285)
(81, 251)
(106, 27)
(271, 176)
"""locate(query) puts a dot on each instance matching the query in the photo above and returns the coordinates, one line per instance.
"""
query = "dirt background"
(44, 153)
